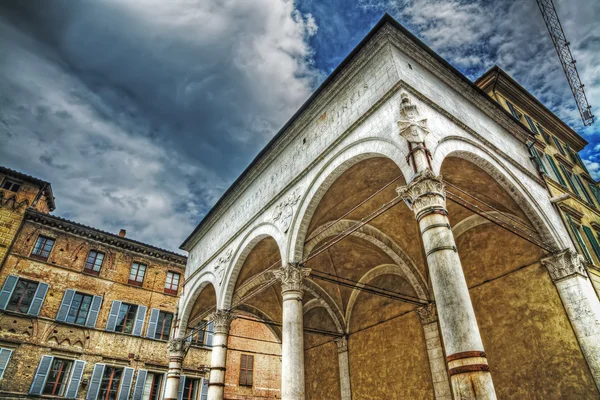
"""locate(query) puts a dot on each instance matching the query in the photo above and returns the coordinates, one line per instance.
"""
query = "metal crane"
(566, 59)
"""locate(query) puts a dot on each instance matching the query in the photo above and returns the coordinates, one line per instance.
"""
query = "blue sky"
(142, 112)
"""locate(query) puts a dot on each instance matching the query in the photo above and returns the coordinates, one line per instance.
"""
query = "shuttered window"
(189, 388)
(531, 124)
(556, 173)
(578, 238)
(110, 383)
(543, 132)
(513, 110)
(592, 239)
(57, 377)
(582, 191)
(159, 326)
(126, 318)
(569, 177)
(22, 296)
(246, 370)
(559, 146)
(43, 247)
(79, 308)
(4, 358)
(595, 191)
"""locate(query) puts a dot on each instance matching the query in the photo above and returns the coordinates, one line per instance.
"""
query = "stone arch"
(333, 168)
(326, 302)
(250, 240)
(470, 150)
(384, 269)
(475, 220)
(187, 302)
(382, 241)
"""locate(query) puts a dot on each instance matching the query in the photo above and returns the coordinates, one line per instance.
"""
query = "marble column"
(425, 195)
(435, 353)
(177, 351)
(218, 360)
(344, 365)
(292, 345)
(568, 272)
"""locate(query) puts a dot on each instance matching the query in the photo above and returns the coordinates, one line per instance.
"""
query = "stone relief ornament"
(341, 343)
(565, 264)
(427, 313)
(285, 210)
(221, 265)
(178, 346)
(412, 126)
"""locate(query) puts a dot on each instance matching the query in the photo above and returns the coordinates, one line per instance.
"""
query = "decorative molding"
(291, 277)
(341, 343)
(285, 210)
(12, 203)
(565, 264)
(575, 214)
(221, 265)
(222, 320)
(178, 347)
(412, 127)
(424, 194)
(427, 313)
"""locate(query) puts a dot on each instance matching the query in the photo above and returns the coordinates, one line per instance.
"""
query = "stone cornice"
(106, 238)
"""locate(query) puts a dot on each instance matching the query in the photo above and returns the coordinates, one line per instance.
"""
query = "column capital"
(291, 277)
(222, 320)
(411, 125)
(426, 193)
(178, 347)
(427, 313)
(564, 264)
(341, 343)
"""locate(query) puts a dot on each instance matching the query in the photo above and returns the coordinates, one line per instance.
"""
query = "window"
(582, 191)
(22, 296)
(11, 185)
(152, 388)
(578, 238)
(595, 191)
(94, 262)
(163, 326)
(569, 177)
(136, 276)
(56, 380)
(192, 389)
(543, 132)
(203, 335)
(513, 110)
(172, 282)
(109, 385)
(559, 146)
(42, 247)
(79, 308)
(531, 124)
(592, 239)
(126, 318)
(246, 365)
(4, 358)
(555, 172)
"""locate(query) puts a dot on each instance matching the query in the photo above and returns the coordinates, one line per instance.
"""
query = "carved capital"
(341, 343)
(564, 264)
(178, 347)
(291, 277)
(424, 194)
(427, 314)
(222, 320)
(411, 125)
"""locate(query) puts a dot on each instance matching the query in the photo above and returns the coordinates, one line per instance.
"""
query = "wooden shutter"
(41, 373)
(583, 189)
(210, 333)
(140, 382)
(579, 238)
(7, 289)
(111, 323)
(151, 332)
(140, 316)
(38, 299)
(4, 357)
(242, 381)
(556, 171)
(531, 125)
(94, 310)
(568, 176)
(204, 391)
(595, 191)
(65, 305)
(94, 386)
(592, 240)
(163, 386)
(126, 384)
(181, 387)
(75, 381)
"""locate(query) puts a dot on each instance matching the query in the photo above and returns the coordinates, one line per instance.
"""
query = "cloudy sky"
(142, 112)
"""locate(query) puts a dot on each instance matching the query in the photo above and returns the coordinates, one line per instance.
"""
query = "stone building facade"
(401, 239)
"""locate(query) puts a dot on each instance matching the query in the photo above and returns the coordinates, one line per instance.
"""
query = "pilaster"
(344, 366)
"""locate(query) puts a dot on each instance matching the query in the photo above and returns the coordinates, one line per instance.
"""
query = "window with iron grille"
(11, 185)
(43, 247)
(58, 377)
(136, 276)
(93, 263)
(172, 282)
(246, 370)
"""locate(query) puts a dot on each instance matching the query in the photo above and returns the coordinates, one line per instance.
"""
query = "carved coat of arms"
(285, 210)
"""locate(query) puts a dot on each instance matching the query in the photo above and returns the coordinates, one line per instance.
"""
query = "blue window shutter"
(74, 382)
(113, 316)
(7, 289)
(38, 299)
(39, 379)
(210, 332)
(140, 316)
(126, 384)
(151, 331)
(512, 109)
(181, 387)
(204, 391)
(140, 382)
(65, 305)
(94, 310)
(4, 357)
(94, 387)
